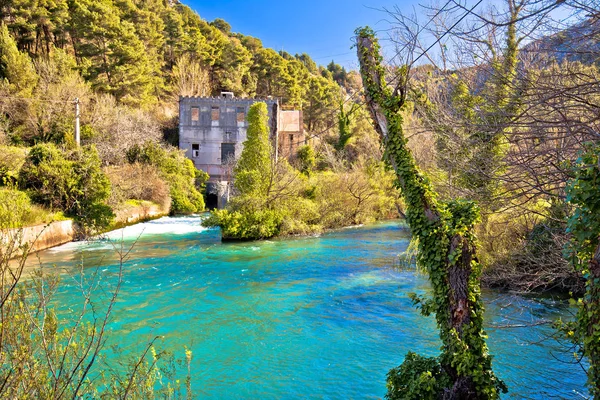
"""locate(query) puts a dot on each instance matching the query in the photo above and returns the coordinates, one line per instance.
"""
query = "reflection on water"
(317, 317)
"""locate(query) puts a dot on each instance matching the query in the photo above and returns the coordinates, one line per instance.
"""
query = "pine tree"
(16, 68)
(111, 55)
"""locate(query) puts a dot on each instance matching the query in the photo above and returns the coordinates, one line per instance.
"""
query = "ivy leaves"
(583, 192)
(446, 250)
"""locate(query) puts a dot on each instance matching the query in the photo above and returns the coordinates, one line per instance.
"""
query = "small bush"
(11, 160)
(69, 181)
(306, 159)
(177, 170)
(247, 224)
(417, 378)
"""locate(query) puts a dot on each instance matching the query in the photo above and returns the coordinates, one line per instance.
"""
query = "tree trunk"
(446, 240)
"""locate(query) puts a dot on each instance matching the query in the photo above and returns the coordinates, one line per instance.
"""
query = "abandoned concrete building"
(212, 131)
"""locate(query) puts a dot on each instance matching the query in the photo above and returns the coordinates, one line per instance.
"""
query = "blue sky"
(323, 29)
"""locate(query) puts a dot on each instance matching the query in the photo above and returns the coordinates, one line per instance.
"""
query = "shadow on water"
(313, 317)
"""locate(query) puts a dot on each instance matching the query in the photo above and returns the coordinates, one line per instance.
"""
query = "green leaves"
(253, 169)
(16, 68)
(71, 181)
(583, 192)
(417, 378)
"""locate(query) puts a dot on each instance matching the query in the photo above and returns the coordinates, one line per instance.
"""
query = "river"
(315, 317)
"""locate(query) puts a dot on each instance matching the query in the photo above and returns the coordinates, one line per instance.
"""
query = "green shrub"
(306, 159)
(11, 160)
(16, 210)
(69, 181)
(248, 224)
(14, 207)
(418, 378)
(177, 170)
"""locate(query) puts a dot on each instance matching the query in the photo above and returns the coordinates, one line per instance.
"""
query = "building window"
(241, 114)
(195, 150)
(227, 137)
(195, 114)
(215, 113)
(227, 152)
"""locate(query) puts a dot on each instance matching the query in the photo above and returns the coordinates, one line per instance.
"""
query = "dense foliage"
(584, 252)
(141, 51)
(70, 181)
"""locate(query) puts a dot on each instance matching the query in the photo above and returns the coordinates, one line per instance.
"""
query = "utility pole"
(77, 130)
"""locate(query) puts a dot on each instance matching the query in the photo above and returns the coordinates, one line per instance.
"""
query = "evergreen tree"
(253, 169)
(338, 72)
(221, 25)
(322, 99)
(16, 68)
(232, 69)
(173, 35)
(111, 55)
(270, 72)
(308, 63)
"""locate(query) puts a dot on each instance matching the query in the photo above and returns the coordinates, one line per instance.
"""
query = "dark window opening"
(227, 152)
(195, 150)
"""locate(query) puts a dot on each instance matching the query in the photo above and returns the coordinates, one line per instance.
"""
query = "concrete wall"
(132, 214)
(42, 237)
(217, 194)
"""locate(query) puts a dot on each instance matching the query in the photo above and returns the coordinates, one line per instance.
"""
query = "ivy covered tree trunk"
(589, 314)
(447, 249)
(583, 193)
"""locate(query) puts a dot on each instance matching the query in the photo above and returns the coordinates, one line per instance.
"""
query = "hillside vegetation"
(127, 63)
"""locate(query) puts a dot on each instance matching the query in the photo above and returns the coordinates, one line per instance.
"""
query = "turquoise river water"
(317, 317)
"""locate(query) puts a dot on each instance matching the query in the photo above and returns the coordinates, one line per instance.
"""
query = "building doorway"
(212, 201)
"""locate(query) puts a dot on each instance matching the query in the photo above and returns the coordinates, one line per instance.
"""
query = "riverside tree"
(447, 250)
(250, 214)
(69, 181)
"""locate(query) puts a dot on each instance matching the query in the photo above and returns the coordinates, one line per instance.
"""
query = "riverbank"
(56, 233)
